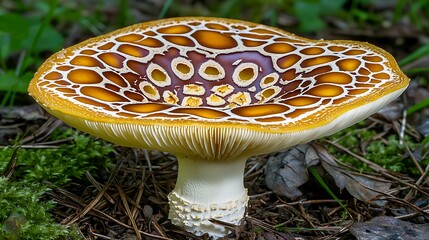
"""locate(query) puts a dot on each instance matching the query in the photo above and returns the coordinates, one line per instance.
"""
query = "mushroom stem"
(208, 189)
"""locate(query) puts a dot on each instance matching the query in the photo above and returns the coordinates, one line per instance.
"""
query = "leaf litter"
(287, 171)
(384, 227)
(130, 201)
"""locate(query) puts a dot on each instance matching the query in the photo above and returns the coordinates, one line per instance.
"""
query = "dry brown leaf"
(358, 185)
(287, 171)
(384, 227)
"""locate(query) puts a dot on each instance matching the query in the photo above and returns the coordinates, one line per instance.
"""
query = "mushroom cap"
(161, 82)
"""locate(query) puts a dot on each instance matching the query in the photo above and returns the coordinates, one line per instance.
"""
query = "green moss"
(23, 214)
(387, 151)
(58, 165)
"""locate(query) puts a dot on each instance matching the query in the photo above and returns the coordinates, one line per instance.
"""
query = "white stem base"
(205, 190)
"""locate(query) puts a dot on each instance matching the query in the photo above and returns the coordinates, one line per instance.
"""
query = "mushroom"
(214, 92)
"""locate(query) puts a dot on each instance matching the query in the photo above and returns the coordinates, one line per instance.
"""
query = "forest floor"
(369, 180)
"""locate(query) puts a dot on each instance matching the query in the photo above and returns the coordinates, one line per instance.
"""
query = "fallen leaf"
(385, 227)
(362, 187)
(27, 112)
(423, 128)
(287, 171)
(392, 111)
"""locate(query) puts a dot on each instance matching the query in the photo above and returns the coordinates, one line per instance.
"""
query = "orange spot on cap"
(130, 77)
(64, 68)
(239, 27)
(256, 36)
(129, 38)
(290, 40)
(133, 50)
(150, 42)
(301, 101)
(149, 89)
(362, 78)
(348, 64)
(372, 58)
(279, 48)
(289, 75)
(268, 80)
(250, 43)
(66, 90)
(382, 76)
(317, 71)
(355, 52)
(288, 61)
(150, 33)
(134, 96)
(53, 76)
(177, 29)
(63, 83)
(102, 94)
(259, 110)
(364, 85)
(112, 59)
(145, 107)
(93, 103)
(337, 48)
(334, 77)
(247, 74)
(318, 60)
(290, 87)
(183, 68)
(312, 51)
(357, 91)
(180, 40)
(84, 76)
(88, 52)
(158, 75)
(112, 87)
(115, 78)
(325, 91)
(86, 61)
(216, 26)
(364, 71)
(263, 31)
(215, 40)
(137, 67)
(373, 67)
(106, 46)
